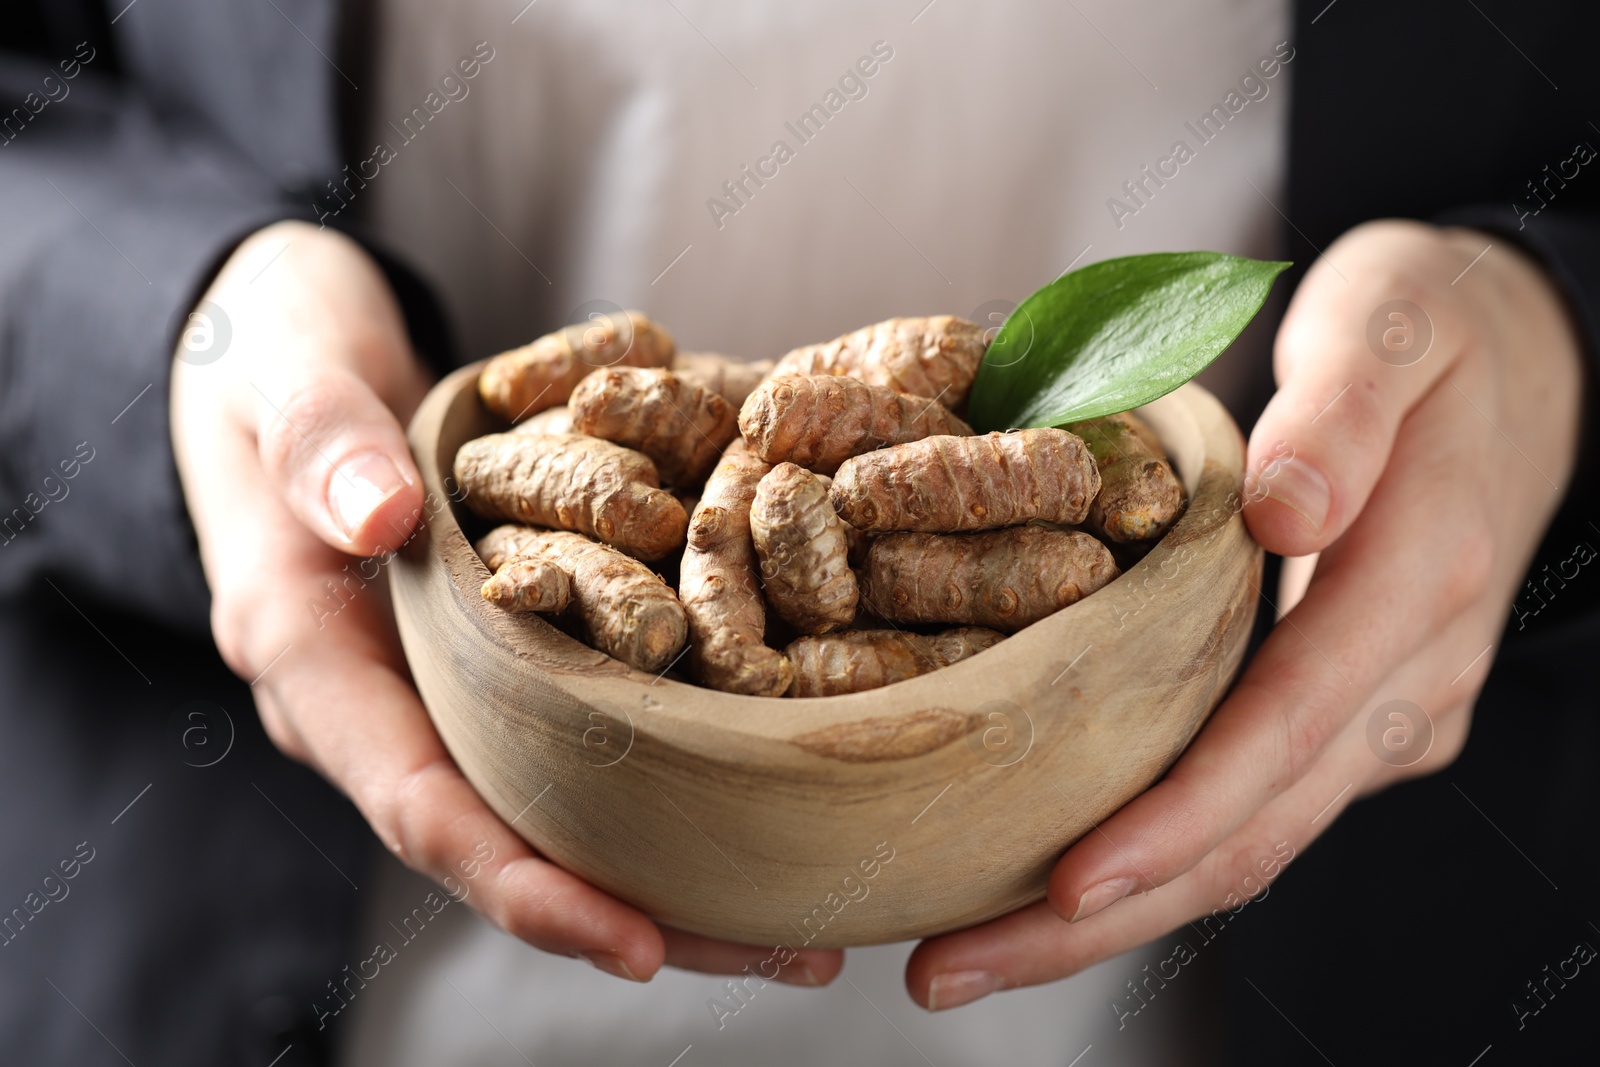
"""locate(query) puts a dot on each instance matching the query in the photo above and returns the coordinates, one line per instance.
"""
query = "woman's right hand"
(295, 467)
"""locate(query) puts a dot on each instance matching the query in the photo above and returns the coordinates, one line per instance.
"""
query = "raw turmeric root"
(524, 584)
(681, 426)
(1139, 495)
(834, 489)
(1004, 579)
(803, 549)
(818, 421)
(500, 544)
(858, 660)
(550, 420)
(626, 610)
(541, 375)
(934, 357)
(952, 484)
(857, 540)
(573, 483)
(728, 378)
(719, 588)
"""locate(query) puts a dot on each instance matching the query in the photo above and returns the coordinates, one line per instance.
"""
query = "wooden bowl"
(922, 807)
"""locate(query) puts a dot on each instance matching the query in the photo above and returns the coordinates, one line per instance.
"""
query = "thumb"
(338, 457)
(1325, 439)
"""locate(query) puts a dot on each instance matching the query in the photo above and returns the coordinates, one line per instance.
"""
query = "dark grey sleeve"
(115, 219)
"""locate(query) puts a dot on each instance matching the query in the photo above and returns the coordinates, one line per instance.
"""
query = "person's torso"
(756, 177)
(760, 176)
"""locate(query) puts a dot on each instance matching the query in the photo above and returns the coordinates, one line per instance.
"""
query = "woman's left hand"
(1426, 484)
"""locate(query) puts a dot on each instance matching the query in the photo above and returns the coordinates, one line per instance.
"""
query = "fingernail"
(358, 486)
(1304, 489)
(610, 963)
(1102, 896)
(798, 974)
(960, 987)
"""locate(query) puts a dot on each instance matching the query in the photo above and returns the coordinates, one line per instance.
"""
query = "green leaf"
(1115, 334)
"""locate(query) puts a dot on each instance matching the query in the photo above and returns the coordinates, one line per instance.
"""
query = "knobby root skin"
(526, 583)
(1139, 496)
(818, 421)
(860, 544)
(958, 484)
(541, 375)
(550, 420)
(803, 549)
(934, 357)
(835, 489)
(497, 546)
(858, 541)
(572, 482)
(858, 660)
(1005, 579)
(719, 587)
(731, 379)
(681, 426)
(626, 610)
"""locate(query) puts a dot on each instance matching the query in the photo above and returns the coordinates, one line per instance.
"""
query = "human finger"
(1381, 594)
(805, 967)
(336, 455)
(1370, 331)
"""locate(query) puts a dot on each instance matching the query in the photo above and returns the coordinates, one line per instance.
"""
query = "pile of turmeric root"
(831, 522)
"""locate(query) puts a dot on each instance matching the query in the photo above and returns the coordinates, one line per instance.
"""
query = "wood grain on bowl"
(925, 806)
